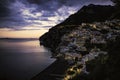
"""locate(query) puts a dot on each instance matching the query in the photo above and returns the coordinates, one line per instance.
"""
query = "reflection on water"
(21, 60)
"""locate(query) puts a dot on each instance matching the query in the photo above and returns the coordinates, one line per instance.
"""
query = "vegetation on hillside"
(103, 67)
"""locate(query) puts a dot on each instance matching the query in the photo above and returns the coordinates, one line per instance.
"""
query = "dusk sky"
(31, 18)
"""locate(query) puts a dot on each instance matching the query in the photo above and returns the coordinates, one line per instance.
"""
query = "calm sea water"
(21, 60)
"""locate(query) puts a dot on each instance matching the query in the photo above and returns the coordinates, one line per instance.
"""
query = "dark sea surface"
(22, 59)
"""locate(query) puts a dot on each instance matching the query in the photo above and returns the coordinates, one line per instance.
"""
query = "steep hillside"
(87, 14)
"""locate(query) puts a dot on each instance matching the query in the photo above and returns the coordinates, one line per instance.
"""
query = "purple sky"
(22, 14)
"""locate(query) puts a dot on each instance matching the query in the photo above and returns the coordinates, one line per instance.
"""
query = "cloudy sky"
(34, 15)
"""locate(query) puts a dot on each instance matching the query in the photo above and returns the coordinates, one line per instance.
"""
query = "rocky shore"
(86, 46)
(83, 50)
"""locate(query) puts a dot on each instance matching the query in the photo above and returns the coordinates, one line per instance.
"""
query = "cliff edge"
(87, 14)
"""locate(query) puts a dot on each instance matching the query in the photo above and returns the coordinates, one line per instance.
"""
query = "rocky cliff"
(89, 42)
(86, 14)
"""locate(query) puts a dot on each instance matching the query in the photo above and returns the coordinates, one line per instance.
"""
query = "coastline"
(53, 72)
(84, 39)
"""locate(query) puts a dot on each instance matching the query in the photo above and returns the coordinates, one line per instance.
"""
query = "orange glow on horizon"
(4, 33)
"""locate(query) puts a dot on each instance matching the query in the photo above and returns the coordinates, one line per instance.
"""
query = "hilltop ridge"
(88, 43)
(87, 14)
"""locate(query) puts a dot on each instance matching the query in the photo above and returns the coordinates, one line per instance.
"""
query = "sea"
(22, 59)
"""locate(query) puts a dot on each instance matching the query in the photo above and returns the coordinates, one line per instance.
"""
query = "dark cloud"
(59, 3)
(47, 13)
(20, 13)
(4, 11)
